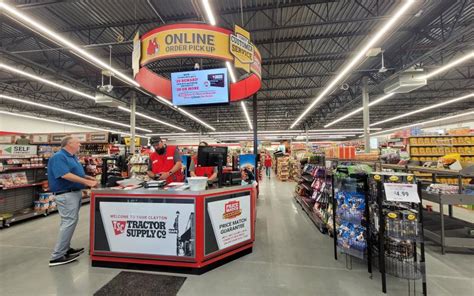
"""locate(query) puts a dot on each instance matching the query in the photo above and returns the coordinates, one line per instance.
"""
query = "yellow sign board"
(241, 48)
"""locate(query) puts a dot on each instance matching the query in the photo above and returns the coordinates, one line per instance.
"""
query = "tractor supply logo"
(241, 48)
(153, 47)
(119, 227)
(145, 229)
(232, 210)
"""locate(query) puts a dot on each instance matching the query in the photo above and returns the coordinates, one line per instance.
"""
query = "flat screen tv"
(200, 87)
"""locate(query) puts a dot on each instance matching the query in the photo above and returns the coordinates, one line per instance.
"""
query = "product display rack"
(430, 148)
(350, 214)
(313, 193)
(283, 168)
(396, 232)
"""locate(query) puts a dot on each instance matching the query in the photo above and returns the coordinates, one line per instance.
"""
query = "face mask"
(161, 150)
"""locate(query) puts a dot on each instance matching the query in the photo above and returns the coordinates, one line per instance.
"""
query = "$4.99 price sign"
(401, 192)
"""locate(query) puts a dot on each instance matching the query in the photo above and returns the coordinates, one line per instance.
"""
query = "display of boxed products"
(13, 179)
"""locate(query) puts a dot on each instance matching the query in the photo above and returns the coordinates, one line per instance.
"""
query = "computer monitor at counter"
(213, 156)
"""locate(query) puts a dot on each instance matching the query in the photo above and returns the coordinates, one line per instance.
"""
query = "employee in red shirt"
(196, 170)
(165, 162)
(268, 165)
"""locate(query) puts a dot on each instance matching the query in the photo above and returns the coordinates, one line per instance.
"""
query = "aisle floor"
(290, 257)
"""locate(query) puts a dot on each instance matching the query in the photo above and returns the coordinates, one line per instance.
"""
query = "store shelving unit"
(446, 230)
(430, 148)
(283, 168)
(313, 193)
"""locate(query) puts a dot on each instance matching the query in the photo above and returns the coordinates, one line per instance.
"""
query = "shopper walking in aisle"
(165, 163)
(66, 178)
(268, 165)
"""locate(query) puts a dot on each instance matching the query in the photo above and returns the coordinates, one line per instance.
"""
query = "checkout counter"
(183, 229)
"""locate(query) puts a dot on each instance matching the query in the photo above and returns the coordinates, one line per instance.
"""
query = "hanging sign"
(197, 40)
(241, 48)
(399, 192)
(18, 150)
(136, 54)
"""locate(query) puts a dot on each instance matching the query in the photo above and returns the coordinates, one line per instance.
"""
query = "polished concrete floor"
(290, 257)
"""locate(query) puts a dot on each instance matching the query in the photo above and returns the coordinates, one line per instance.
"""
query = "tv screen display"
(200, 87)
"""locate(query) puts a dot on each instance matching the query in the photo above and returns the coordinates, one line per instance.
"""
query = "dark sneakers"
(63, 260)
(72, 251)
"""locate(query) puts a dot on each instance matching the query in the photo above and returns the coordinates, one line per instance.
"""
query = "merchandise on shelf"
(138, 165)
(13, 179)
(350, 215)
(283, 169)
(400, 231)
(442, 189)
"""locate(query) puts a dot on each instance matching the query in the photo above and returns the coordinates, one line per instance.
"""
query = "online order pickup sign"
(200, 87)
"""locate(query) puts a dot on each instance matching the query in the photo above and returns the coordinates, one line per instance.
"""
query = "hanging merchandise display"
(396, 227)
(350, 200)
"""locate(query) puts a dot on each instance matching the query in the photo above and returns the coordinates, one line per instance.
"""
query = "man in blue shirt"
(66, 178)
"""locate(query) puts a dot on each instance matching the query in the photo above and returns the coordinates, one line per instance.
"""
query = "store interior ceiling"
(304, 44)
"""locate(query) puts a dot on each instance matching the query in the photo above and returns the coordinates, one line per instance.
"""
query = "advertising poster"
(153, 227)
(230, 221)
(200, 87)
(247, 168)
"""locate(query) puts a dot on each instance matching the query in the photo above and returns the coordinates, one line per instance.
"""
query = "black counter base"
(171, 269)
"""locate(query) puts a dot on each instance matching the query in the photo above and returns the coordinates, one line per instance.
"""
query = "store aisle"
(290, 257)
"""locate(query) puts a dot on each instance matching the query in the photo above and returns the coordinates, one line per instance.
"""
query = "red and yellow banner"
(198, 40)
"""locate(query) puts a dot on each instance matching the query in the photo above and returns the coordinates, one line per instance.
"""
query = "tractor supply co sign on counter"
(155, 228)
(18, 150)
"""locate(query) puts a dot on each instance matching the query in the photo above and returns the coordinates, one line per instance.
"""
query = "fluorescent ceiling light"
(231, 72)
(55, 37)
(358, 58)
(195, 118)
(423, 123)
(151, 118)
(45, 81)
(450, 65)
(383, 98)
(429, 75)
(424, 109)
(246, 114)
(210, 15)
(161, 99)
(69, 123)
(68, 112)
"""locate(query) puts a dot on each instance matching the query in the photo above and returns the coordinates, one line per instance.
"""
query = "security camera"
(106, 88)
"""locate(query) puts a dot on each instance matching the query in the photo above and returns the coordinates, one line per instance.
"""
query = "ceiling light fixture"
(358, 58)
(68, 112)
(55, 37)
(424, 109)
(246, 114)
(210, 15)
(69, 123)
(375, 102)
(151, 118)
(195, 118)
(231, 71)
(45, 81)
(423, 123)
(450, 65)
(167, 102)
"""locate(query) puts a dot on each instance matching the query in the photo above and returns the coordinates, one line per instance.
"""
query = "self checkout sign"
(400, 192)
